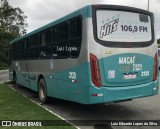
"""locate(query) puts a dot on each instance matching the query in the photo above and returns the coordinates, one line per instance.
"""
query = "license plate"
(130, 76)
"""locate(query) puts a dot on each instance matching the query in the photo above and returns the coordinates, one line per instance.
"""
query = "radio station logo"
(109, 28)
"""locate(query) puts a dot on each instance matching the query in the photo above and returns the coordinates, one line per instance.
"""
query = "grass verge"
(14, 106)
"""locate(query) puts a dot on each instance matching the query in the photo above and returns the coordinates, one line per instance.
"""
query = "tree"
(12, 19)
(12, 24)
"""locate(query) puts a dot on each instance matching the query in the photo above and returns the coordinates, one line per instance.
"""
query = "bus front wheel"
(14, 77)
(42, 89)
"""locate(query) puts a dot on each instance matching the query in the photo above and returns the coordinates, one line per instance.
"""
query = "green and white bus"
(97, 54)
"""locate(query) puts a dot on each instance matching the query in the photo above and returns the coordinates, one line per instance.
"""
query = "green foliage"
(3, 62)
(12, 20)
(14, 106)
(3, 65)
(12, 25)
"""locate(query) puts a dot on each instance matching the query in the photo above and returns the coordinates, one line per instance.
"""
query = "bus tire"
(42, 91)
(14, 77)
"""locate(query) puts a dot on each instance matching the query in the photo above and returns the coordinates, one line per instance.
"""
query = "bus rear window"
(123, 26)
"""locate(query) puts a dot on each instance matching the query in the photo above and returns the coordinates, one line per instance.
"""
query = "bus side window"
(43, 53)
(64, 40)
(75, 36)
(25, 50)
(57, 33)
(60, 41)
(64, 31)
(43, 39)
(32, 47)
(42, 47)
(48, 36)
(48, 40)
(21, 50)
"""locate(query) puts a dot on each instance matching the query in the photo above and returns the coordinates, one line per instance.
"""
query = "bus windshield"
(123, 26)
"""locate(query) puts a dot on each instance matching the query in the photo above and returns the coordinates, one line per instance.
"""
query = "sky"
(42, 12)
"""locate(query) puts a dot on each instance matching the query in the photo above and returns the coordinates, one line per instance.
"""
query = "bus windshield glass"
(123, 26)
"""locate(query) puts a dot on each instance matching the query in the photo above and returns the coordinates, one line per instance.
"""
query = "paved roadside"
(4, 77)
(80, 115)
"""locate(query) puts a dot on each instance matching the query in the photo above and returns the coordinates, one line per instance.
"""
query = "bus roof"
(85, 12)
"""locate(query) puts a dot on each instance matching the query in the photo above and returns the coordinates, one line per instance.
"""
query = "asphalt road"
(3, 76)
(139, 109)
